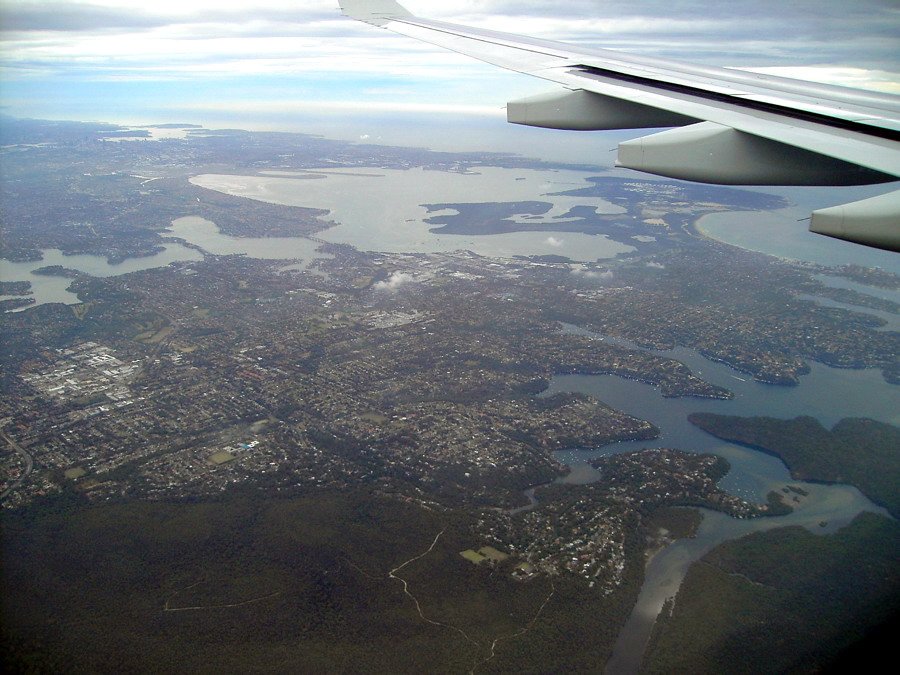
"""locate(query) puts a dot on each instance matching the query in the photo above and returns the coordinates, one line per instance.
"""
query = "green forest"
(300, 584)
(782, 601)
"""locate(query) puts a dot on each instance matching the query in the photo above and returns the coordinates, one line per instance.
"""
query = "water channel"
(48, 288)
(828, 394)
(194, 230)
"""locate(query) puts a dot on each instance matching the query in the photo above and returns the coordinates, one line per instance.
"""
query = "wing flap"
(842, 139)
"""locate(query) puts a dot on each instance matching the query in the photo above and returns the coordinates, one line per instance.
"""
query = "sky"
(301, 66)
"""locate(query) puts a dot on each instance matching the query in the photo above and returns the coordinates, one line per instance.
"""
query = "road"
(29, 463)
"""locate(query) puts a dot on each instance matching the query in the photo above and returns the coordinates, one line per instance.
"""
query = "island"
(57, 271)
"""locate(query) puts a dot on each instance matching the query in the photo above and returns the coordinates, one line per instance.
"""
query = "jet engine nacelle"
(580, 110)
(711, 153)
(872, 221)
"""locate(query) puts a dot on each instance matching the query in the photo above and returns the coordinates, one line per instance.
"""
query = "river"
(194, 230)
(828, 394)
(48, 288)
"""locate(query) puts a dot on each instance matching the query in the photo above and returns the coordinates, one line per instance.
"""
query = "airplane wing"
(731, 127)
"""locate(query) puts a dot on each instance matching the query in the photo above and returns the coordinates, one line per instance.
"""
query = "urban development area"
(326, 458)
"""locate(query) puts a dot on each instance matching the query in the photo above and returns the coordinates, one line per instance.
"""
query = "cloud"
(67, 16)
(99, 15)
(101, 52)
(605, 275)
(395, 281)
(337, 107)
(656, 265)
(553, 241)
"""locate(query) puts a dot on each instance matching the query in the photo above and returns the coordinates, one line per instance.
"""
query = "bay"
(192, 229)
(785, 232)
(206, 234)
(384, 209)
(47, 288)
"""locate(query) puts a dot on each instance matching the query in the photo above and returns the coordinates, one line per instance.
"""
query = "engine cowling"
(873, 222)
(580, 110)
(712, 153)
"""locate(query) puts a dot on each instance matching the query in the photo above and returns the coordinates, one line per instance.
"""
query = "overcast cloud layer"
(131, 61)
